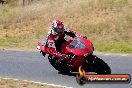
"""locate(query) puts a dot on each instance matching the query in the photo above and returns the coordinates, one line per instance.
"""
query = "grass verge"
(10, 83)
(106, 23)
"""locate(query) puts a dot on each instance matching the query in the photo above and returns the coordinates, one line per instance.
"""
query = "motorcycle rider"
(55, 39)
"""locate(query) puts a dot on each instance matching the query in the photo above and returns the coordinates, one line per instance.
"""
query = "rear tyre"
(59, 65)
(52, 61)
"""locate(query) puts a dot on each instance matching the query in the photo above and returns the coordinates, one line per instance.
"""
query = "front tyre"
(100, 66)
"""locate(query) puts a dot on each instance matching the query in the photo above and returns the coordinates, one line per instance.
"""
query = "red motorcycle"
(80, 49)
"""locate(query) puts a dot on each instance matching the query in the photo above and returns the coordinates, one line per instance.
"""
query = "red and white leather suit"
(54, 41)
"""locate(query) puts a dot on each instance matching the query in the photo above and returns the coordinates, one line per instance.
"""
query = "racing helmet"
(58, 26)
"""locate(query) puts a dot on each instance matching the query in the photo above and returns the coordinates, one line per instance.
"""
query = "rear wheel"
(58, 64)
(52, 61)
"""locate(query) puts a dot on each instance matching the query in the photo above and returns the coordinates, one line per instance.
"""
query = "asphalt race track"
(25, 65)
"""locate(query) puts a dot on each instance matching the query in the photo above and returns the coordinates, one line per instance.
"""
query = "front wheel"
(100, 66)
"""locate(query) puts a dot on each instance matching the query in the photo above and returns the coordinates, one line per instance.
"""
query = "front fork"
(87, 66)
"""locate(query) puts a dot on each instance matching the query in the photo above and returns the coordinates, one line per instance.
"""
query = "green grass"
(25, 41)
(118, 47)
(106, 22)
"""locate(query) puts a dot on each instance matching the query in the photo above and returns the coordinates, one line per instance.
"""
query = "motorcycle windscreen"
(77, 44)
(77, 47)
